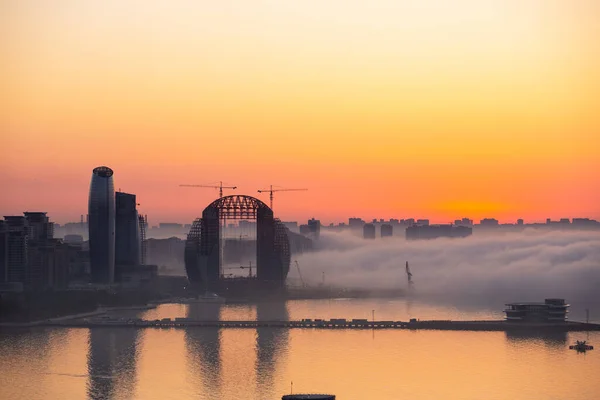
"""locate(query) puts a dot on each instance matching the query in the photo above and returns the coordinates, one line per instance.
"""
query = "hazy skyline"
(438, 109)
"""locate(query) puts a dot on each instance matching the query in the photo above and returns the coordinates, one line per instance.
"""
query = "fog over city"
(525, 266)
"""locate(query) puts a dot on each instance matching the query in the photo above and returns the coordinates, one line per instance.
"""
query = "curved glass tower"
(101, 211)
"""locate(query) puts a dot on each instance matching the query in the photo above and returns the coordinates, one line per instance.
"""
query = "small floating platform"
(581, 346)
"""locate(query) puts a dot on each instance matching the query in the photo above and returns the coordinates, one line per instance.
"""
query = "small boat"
(581, 345)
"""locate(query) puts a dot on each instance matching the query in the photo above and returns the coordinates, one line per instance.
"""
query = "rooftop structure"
(551, 310)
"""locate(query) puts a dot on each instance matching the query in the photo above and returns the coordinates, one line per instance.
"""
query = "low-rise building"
(551, 310)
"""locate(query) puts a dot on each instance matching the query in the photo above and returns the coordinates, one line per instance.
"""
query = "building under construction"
(203, 250)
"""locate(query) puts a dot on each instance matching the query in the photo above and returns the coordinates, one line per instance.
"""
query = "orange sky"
(390, 108)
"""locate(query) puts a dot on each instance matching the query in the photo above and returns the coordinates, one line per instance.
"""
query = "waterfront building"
(41, 251)
(551, 310)
(101, 212)
(3, 252)
(16, 241)
(127, 230)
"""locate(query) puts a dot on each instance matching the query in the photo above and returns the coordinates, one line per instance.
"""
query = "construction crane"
(271, 191)
(220, 187)
(300, 273)
(409, 275)
(249, 268)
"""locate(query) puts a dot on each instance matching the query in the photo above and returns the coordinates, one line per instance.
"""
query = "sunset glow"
(439, 109)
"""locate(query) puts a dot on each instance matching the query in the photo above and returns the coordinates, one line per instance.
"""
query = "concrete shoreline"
(50, 321)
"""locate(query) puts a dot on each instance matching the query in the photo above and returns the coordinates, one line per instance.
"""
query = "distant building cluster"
(415, 232)
(312, 229)
(32, 259)
(412, 228)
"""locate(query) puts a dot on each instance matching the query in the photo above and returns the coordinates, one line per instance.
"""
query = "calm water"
(206, 363)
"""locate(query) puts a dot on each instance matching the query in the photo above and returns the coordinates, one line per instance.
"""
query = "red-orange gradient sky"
(387, 108)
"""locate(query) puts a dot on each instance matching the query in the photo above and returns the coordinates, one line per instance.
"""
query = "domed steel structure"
(202, 253)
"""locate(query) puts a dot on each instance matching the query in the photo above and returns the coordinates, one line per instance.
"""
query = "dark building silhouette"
(488, 222)
(101, 211)
(387, 230)
(311, 229)
(3, 252)
(73, 239)
(127, 230)
(463, 222)
(40, 227)
(436, 231)
(16, 241)
(30, 256)
(356, 224)
(551, 310)
(369, 231)
(45, 256)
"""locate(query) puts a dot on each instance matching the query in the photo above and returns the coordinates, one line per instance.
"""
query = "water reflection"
(112, 358)
(549, 338)
(271, 346)
(28, 352)
(203, 347)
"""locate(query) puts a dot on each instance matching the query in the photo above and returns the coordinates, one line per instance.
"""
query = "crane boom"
(271, 191)
(220, 187)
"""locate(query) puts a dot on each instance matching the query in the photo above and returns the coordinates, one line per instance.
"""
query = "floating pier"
(336, 323)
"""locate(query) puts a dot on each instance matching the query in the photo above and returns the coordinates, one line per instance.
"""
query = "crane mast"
(409, 275)
(300, 273)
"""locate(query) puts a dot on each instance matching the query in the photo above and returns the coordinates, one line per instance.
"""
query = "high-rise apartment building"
(369, 231)
(127, 230)
(101, 214)
(16, 251)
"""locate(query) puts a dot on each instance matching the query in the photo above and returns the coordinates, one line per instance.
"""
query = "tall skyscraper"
(127, 230)
(101, 211)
